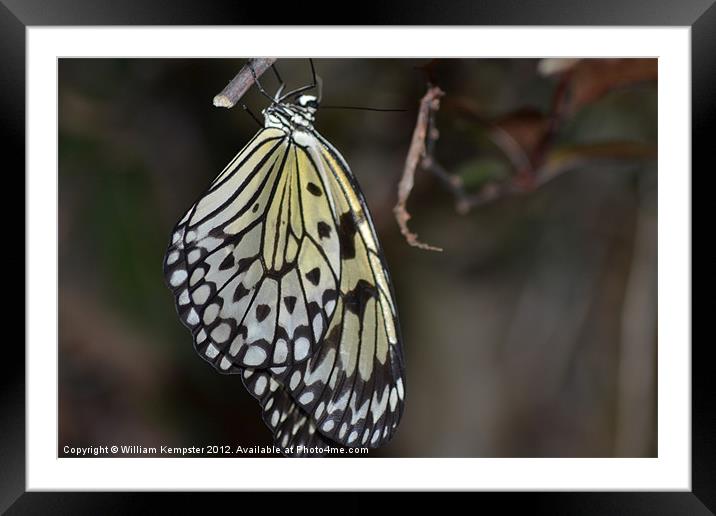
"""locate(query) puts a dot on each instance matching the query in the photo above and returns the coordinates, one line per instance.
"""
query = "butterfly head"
(292, 116)
(308, 103)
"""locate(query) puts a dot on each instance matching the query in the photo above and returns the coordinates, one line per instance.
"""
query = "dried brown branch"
(429, 105)
(240, 84)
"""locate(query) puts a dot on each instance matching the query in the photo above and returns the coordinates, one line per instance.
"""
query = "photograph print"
(347, 257)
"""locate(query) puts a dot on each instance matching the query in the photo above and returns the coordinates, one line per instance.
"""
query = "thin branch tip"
(223, 101)
(417, 156)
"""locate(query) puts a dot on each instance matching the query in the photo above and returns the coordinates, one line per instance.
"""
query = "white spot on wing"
(318, 325)
(330, 306)
(194, 255)
(393, 399)
(210, 313)
(280, 352)
(221, 333)
(379, 404)
(255, 355)
(201, 294)
(193, 317)
(196, 276)
(211, 351)
(376, 435)
(300, 348)
(178, 277)
(295, 379)
(236, 345)
(260, 386)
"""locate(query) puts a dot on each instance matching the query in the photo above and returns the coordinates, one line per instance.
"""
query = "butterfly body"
(278, 273)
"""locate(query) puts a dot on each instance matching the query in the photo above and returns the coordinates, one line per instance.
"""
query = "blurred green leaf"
(628, 114)
(479, 171)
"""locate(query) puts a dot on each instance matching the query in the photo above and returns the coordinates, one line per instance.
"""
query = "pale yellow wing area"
(352, 388)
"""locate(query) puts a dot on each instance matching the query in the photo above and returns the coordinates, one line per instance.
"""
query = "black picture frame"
(700, 15)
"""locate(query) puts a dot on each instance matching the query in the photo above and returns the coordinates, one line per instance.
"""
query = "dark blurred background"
(533, 334)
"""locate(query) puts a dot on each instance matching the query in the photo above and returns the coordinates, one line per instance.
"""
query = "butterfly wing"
(292, 427)
(249, 281)
(278, 273)
(352, 388)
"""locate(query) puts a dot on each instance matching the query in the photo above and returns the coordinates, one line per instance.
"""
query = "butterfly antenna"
(363, 108)
(314, 82)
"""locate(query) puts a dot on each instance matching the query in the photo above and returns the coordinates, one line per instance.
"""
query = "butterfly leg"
(258, 84)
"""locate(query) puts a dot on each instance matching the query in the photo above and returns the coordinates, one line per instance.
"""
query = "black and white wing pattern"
(278, 273)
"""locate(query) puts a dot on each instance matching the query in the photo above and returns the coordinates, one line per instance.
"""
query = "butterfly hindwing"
(352, 388)
(292, 427)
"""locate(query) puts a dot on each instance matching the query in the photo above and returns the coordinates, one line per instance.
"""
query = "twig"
(240, 84)
(429, 104)
(556, 163)
(501, 138)
(452, 182)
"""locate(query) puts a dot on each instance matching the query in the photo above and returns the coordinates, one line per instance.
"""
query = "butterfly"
(278, 273)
